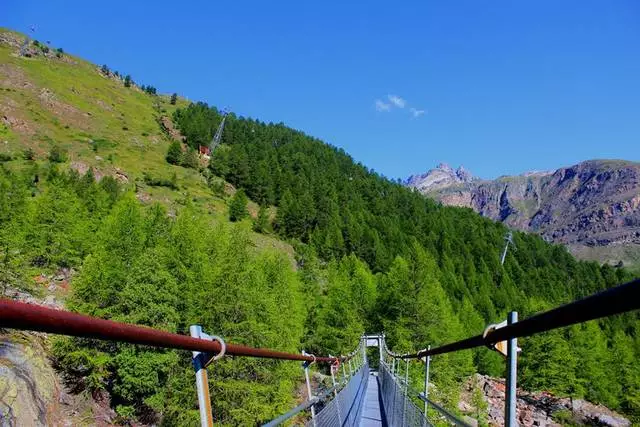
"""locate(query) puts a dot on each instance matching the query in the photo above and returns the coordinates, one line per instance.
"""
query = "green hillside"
(152, 243)
(63, 101)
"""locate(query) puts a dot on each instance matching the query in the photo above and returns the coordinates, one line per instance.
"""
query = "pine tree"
(550, 364)
(261, 223)
(127, 81)
(174, 154)
(238, 206)
(174, 99)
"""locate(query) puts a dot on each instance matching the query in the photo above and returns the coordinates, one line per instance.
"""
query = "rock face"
(32, 393)
(593, 204)
(535, 409)
(441, 177)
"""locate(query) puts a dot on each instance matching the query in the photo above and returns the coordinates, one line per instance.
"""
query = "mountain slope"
(49, 100)
(592, 207)
(371, 255)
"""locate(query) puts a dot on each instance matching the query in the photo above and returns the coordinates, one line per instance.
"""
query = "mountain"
(106, 209)
(593, 207)
(441, 177)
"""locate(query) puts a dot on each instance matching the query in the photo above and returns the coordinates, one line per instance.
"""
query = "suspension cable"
(617, 300)
(18, 315)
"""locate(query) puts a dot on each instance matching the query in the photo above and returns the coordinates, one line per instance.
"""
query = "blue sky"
(498, 86)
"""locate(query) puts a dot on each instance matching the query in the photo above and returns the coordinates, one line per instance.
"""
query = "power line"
(509, 239)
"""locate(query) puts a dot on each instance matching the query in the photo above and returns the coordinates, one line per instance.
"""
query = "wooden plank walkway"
(372, 412)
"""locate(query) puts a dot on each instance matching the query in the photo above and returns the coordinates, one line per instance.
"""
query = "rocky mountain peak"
(593, 207)
(463, 174)
(445, 167)
(441, 176)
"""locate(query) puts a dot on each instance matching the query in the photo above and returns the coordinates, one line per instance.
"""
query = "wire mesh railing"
(399, 408)
(344, 410)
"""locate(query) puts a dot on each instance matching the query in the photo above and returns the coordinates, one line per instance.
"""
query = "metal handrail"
(448, 415)
(18, 315)
(303, 406)
(617, 300)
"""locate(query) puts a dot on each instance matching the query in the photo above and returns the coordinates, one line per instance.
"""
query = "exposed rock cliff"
(592, 207)
(533, 408)
(32, 393)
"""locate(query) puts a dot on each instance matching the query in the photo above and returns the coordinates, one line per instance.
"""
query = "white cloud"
(416, 113)
(397, 101)
(382, 106)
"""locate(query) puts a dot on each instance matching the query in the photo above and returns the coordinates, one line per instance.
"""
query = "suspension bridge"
(359, 396)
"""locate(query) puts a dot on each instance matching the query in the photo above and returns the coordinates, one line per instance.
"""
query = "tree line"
(425, 258)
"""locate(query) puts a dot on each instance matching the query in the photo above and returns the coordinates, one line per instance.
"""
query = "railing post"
(406, 391)
(427, 362)
(305, 366)
(202, 382)
(510, 408)
(344, 372)
(395, 394)
(332, 368)
(333, 378)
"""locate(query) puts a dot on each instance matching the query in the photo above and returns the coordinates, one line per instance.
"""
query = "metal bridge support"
(202, 381)
(305, 366)
(406, 391)
(427, 362)
(344, 372)
(333, 368)
(512, 360)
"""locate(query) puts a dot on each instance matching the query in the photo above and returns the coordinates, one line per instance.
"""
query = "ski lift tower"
(509, 239)
(218, 135)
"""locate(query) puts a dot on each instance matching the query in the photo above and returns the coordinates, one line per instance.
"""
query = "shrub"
(29, 154)
(5, 157)
(217, 186)
(191, 159)
(57, 155)
(174, 99)
(161, 182)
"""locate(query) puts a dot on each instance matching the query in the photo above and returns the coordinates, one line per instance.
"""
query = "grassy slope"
(69, 102)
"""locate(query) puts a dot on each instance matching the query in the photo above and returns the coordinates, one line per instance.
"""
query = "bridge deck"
(372, 412)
